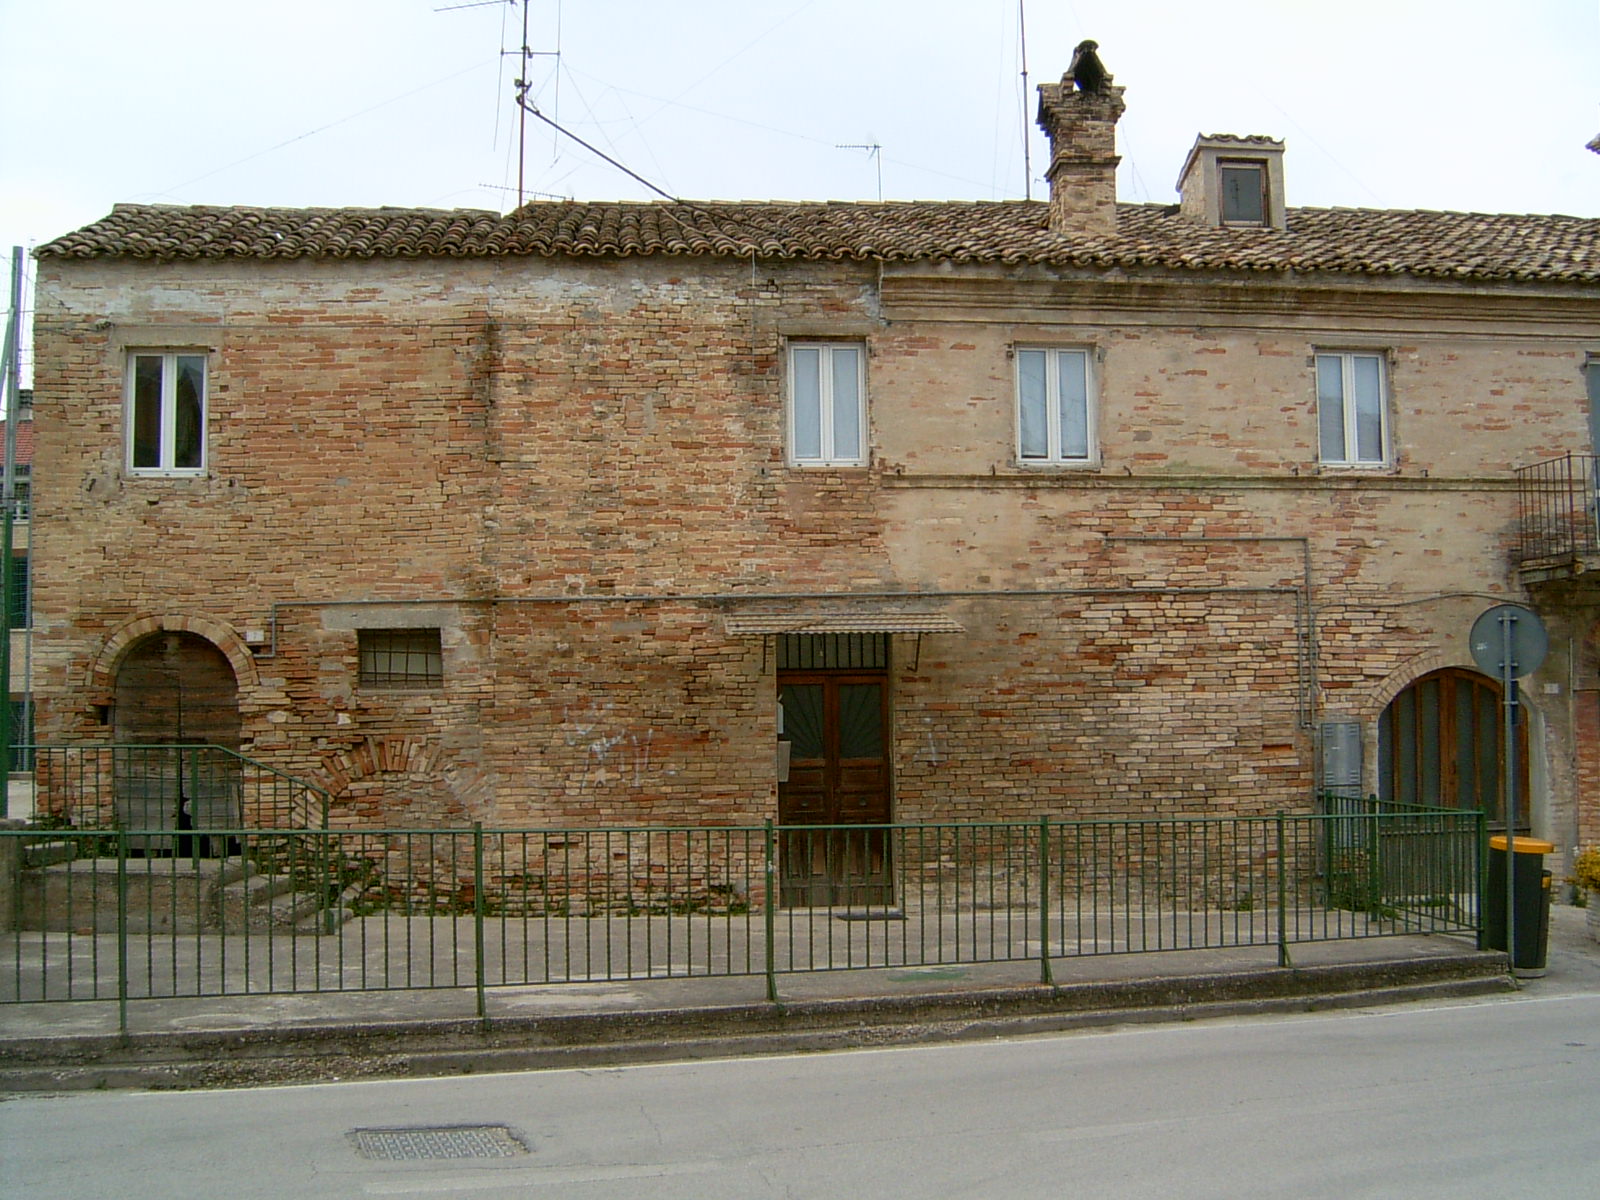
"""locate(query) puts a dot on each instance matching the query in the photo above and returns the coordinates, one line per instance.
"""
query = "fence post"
(477, 920)
(1482, 823)
(1283, 898)
(1045, 975)
(122, 933)
(768, 911)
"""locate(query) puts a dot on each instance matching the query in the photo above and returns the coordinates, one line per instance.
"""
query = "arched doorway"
(174, 690)
(1441, 743)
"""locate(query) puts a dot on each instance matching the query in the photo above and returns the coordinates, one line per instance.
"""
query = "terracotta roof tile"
(24, 442)
(1337, 240)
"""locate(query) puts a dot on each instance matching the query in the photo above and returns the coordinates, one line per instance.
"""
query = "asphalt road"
(1492, 1098)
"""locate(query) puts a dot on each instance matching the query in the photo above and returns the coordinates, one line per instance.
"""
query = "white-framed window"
(1591, 372)
(827, 404)
(1055, 412)
(166, 413)
(1352, 409)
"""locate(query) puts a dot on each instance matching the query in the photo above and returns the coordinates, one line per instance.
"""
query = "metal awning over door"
(765, 625)
(759, 624)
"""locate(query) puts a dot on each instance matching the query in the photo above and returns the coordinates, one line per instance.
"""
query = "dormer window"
(1234, 182)
(1244, 192)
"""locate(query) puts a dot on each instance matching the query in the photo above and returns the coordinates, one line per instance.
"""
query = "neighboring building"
(1011, 510)
(18, 615)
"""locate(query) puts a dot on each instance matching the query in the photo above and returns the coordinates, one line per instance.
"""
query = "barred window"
(400, 658)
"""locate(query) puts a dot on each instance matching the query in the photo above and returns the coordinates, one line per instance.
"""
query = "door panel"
(1441, 742)
(838, 776)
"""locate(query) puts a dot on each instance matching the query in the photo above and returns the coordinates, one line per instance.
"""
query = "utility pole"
(8, 504)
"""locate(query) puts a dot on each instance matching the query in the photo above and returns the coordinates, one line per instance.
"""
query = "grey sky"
(1465, 104)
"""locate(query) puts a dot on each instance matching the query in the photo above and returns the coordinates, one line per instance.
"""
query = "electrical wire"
(324, 128)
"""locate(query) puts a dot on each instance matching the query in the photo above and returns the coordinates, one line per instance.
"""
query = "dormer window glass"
(1244, 192)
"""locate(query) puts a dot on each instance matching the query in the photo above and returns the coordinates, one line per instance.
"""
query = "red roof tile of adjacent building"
(1318, 240)
(24, 442)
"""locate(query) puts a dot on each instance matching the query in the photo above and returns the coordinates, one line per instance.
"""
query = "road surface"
(1492, 1098)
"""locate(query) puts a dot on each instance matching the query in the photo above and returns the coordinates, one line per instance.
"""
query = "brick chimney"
(1080, 118)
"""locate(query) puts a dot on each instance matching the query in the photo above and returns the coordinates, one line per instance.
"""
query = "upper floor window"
(1243, 192)
(166, 413)
(827, 404)
(1055, 420)
(1591, 372)
(17, 607)
(1352, 410)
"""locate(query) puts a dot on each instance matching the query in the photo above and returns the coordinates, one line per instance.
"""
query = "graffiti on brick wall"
(610, 754)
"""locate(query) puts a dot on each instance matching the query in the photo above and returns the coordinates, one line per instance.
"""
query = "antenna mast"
(522, 84)
(873, 150)
(1027, 155)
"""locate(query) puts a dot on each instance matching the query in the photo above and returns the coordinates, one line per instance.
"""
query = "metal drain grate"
(449, 1141)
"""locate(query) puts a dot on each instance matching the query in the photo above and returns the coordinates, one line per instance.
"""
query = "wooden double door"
(837, 724)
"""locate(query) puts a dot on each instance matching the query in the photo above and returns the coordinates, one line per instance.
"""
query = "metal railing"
(1556, 508)
(355, 910)
(166, 792)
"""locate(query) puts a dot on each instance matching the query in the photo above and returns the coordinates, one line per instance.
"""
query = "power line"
(323, 128)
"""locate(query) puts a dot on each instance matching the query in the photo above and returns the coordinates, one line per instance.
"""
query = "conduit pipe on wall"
(722, 599)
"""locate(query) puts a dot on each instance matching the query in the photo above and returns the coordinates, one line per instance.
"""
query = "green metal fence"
(166, 791)
(116, 915)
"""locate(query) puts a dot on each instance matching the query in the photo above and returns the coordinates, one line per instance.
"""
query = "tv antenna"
(522, 84)
(873, 150)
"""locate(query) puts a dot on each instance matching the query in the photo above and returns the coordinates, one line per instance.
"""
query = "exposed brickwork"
(575, 469)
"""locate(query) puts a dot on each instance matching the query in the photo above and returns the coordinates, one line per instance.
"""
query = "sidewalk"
(266, 1039)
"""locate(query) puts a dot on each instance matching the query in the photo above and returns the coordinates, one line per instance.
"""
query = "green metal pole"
(1045, 975)
(1483, 878)
(122, 933)
(477, 919)
(770, 917)
(10, 382)
(1283, 899)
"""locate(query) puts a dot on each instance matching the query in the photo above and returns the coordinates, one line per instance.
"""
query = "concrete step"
(44, 854)
(266, 902)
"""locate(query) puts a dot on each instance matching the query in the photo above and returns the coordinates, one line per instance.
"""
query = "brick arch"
(103, 670)
(402, 776)
(1377, 697)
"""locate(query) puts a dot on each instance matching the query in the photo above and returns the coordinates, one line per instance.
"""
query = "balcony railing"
(1556, 508)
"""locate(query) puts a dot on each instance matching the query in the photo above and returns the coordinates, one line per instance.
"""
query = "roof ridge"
(1342, 241)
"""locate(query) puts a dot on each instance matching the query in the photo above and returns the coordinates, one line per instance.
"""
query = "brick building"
(712, 513)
